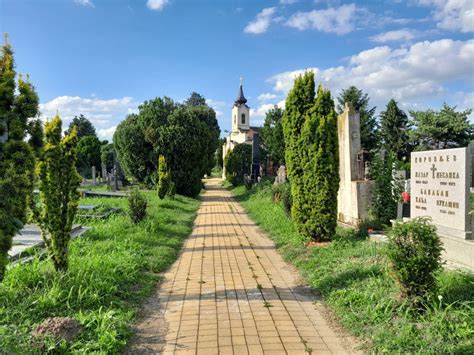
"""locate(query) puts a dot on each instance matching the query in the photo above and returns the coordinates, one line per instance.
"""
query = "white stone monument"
(355, 191)
(440, 189)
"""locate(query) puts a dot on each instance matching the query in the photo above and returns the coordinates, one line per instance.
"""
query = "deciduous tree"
(272, 135)
(84, 127)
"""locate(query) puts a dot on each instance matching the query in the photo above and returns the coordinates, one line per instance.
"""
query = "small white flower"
(440, 298)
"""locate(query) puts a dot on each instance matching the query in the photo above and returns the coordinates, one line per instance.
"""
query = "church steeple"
(241, 100)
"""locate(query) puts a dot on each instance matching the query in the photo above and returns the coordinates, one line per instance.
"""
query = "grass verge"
(113, 267)
(352, 274)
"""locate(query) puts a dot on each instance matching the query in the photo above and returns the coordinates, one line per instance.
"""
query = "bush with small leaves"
(415, 255)
(286, 198)
(137, 205)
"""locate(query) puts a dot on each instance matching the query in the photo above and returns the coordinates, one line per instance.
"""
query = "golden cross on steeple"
(241, 79)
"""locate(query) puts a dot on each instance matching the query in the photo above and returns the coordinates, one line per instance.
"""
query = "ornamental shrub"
(164, 179)
(238, 163)
(137, 205)
(415, 255)
(58, 184)
(286, 199)
(18, 104)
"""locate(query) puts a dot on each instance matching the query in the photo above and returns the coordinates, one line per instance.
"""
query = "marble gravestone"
(440, 189)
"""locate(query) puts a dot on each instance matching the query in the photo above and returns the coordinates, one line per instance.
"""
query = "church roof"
(241, 100)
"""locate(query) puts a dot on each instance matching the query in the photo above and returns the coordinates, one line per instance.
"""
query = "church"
(241, 131)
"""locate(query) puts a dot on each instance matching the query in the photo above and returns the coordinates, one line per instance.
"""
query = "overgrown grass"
(112, 268)
(352, 274)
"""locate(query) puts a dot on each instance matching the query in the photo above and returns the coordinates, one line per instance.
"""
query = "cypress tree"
(58, 184)
(321, 169)
(16, 156)
(298, 102)
(164, 178)
(394, 130)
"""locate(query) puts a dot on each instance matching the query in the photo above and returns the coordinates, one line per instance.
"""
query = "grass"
(352, 274)
(113, 267)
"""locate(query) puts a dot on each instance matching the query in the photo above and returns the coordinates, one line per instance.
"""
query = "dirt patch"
(58, 327)
(150, 329)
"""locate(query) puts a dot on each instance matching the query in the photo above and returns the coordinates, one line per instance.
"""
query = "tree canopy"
(446, 128)
(84, 127)
(368, 121)
(394, 130)
(272, 135)
(187, 135)
(88, 155)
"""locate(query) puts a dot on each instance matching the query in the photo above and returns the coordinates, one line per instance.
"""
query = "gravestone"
(281, 175)
(355, 190)
(440, 189)
(104, 173)
(94, 180)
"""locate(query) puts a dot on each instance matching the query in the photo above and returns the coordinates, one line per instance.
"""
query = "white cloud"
(157, 4)
(85, 3)
(288, 2)
(104, 114)
(339, 20)
(106, 133)
(409, 75)
(266, 97)
(394, 36)
(454, 15)
(261, 22)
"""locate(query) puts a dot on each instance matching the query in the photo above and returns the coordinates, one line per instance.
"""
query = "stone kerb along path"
(230, 292)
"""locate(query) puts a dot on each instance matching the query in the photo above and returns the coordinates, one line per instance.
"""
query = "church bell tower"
(240, 112)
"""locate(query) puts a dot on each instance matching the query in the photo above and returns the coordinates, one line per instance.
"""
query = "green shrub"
(58, 184)
(415, 255)
(237, 164)
(164, 178)
(137, 205)
(277, 191)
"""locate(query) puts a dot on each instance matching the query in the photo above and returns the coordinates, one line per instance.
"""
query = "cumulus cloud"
(261, 22)
(340, 20)
(266, 97)
(157, 5)
(217, 105)
(420, 71)
(85, 3)
(104, 114)
(106, 133)
(288, 2)
(454, 15)
(394, 36)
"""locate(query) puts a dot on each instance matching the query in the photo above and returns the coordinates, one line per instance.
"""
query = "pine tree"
(298, 102)
(394, 130)
(16, 156)
(368, 121)
(318, 214)
(58, 184)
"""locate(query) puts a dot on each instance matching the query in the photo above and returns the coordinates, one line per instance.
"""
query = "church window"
(243, 118)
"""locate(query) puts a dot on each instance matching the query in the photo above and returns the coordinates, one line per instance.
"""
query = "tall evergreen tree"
(368, 121)
(16, 156)
(272, 135)
(298, 102)
(318, 214)
(394, 130)
(195, 99)
(84, 127)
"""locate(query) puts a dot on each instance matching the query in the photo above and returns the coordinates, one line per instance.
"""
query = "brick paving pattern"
(230, 292)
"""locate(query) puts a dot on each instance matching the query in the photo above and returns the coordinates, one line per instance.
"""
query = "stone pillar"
(355, 192)
(94, 180)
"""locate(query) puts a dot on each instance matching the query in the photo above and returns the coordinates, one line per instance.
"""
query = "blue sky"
(104, 57)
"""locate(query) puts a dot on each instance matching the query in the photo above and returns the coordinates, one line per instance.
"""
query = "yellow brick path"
(230, 292)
